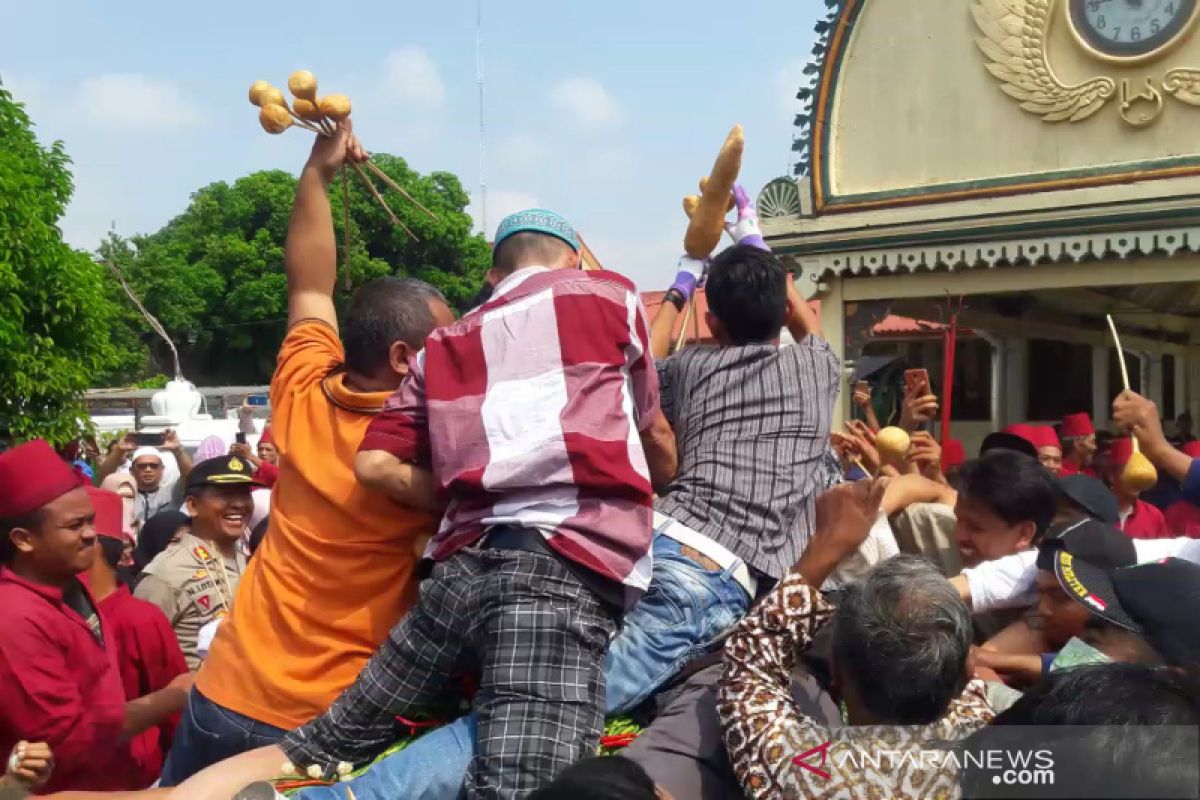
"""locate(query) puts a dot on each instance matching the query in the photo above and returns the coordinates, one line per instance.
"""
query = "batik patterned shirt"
(765, 733)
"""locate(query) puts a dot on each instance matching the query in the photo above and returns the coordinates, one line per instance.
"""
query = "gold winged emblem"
(1015, 43)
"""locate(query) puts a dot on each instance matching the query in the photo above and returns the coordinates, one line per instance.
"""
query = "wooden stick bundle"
(321, 116)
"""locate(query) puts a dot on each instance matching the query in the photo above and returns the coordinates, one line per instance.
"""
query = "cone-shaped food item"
(892, 443)
(335, 106)
(274, 118)
(303, 85)
(307, 109)
(256, 90)
(704, 188)
(708, 221)
(1139, 474)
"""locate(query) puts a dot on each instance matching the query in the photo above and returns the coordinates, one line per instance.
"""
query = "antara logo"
(802, 760)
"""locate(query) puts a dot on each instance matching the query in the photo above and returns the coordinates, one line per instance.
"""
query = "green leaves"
(214, 275)
(55, 314)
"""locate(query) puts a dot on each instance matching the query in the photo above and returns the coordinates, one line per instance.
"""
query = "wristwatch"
(675, 298)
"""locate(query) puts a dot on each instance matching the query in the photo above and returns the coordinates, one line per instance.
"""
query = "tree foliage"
(214, 275)
(55, 316)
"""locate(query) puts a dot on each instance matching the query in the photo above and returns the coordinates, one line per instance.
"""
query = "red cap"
(1074, 425)
(1025, 431)
(1191, 449)
(266, 436)
(32, 475)
(110, 512)
(1044, 436)
(953, 454)
(1120, 451)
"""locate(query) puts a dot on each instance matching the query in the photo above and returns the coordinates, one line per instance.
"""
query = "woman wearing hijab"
(210, 447)
(123, 484)
(158, 532)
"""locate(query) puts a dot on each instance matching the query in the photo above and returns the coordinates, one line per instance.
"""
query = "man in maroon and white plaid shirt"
(536, 417)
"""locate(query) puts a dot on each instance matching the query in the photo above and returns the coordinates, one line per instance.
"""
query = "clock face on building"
(1131, 30)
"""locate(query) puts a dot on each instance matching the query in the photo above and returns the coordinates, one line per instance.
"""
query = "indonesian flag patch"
(1096, 602)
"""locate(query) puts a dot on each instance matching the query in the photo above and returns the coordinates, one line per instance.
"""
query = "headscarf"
(157, 533)
(114, 483)
(211, 447)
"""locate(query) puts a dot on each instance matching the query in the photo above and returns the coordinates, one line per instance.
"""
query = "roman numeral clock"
(1123, 38)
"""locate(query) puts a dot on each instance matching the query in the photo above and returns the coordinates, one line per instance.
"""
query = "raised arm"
(802, 320)
(310, 258)
(1139, 416)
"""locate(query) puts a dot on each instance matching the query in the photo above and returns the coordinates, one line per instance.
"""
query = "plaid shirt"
(529, 410)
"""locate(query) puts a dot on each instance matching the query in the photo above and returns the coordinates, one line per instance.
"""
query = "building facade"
(1029, 166)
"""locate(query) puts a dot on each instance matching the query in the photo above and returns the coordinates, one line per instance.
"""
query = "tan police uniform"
(193, 585)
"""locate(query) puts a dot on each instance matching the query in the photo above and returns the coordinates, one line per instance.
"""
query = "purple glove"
(688, 276)
(745, 230)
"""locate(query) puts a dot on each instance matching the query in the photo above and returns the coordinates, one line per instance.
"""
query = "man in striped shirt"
(536, 417)
(752, 422)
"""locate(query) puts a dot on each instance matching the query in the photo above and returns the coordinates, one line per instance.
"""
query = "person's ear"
(493, 277)
(190, 503)
(715, 326)
(22, 539)
(1027, 530)
(574, 260)
(398, 355)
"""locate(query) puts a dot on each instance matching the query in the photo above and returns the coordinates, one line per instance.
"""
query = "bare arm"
(661, 329)
(658, 441)
(405, 483)
(908, 489)
(310, 257)
(116, 456)
(147, 711)
(802, 320)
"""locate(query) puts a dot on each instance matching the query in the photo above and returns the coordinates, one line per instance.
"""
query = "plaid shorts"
(538, 638)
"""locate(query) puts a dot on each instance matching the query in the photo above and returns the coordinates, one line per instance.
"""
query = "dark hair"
(1123, 752)
(1013, 486)
(382, 312)
(256, 535)
(747, 291)
(111, 550)
(528, 248)
(901, 636)
(599, 778)
(30, 521)
(156, 534)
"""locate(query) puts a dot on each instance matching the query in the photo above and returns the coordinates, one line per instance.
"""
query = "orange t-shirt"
(336, 569)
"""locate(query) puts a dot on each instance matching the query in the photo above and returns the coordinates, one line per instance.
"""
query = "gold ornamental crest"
(1125, 33)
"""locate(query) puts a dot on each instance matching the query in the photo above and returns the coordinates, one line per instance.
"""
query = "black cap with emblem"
(222, 471)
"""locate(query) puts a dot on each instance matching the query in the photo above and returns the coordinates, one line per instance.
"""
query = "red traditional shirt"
(1144, 521)
(529, 410)
(149, 659)
(59, 684)
(1183, 519)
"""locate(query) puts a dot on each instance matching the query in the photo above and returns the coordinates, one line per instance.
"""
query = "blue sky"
(605, 111)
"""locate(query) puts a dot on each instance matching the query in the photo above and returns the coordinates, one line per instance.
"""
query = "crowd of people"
(499, 531)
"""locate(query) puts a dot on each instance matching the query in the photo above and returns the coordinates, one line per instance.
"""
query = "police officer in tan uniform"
(194, 581)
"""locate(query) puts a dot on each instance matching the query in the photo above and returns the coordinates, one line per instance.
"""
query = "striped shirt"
(529, 411)
(751, 425)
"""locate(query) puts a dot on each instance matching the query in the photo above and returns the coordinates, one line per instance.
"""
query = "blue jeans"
(209, 733)
(686, 608)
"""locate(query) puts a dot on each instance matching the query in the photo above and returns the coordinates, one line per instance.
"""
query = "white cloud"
(586, 103)
(521, 153)
(132, 101)
(500, 203)
(412, 78)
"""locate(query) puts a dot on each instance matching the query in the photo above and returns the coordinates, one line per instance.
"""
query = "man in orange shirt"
(336, 568)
